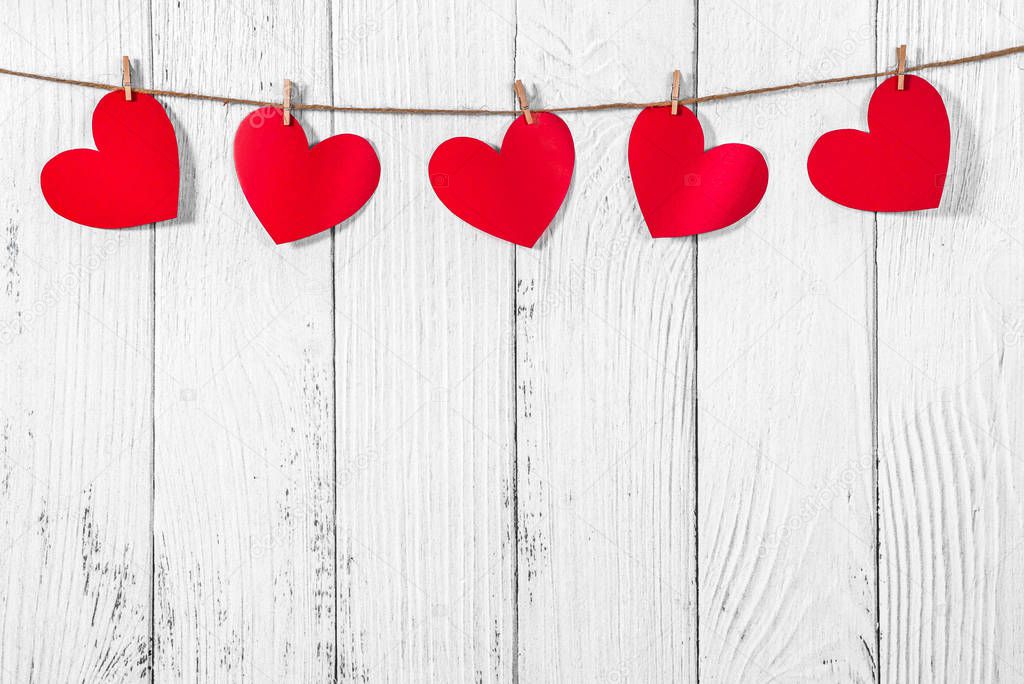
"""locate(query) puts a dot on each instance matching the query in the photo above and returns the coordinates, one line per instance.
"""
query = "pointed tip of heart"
(282, 240)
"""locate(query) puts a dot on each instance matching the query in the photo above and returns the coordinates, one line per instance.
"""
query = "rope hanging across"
(604, 106)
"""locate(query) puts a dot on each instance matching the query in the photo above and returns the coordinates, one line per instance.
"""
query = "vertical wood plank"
(244, 417)
(605, 374)
(785, 459)
(424, 382)
(75, 368)
(951, 368)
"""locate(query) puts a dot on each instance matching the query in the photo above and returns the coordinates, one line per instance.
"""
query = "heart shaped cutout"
(512, 194)
(900, 164)
(130, 179)
(296, 190)
(683, 189)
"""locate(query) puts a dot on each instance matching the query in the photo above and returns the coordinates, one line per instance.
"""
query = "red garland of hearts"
(512, 193)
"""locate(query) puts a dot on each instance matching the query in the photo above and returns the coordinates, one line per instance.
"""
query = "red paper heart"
(900, 165)
(683, 189)
(512, 194)
(296, 190)
(130, 179)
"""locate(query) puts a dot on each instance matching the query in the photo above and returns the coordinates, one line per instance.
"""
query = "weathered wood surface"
(406, 451)
(76, 353)
(785, 517)
(951, 372)
(605, 472)
(425, 471)
(244, 465)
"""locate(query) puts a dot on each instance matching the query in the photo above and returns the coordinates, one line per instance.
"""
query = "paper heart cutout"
(130, 179)
(900, 164)
(514, 193)
(296, 190)
(683, 189)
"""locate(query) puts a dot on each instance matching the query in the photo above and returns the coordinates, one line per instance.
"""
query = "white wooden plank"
(244, 416)
(951, 368)
(424, 381)
(785, 465)
(75, 367)
(605, 373)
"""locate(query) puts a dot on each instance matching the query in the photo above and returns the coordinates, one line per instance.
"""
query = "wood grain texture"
(75, 368)
(605, 374)
(951, 369)
(425, 383)
(244, 413)
(407, 451)
(785, 465)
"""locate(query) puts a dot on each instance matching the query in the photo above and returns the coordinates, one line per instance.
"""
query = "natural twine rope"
(1017, 49)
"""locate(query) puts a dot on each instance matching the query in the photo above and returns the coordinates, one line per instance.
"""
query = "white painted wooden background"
(405, 451)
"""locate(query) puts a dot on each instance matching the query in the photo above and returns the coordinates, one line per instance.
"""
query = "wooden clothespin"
(675, 91)
(901, 66)
(126, 77)
(287, 102)
(523, 102)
